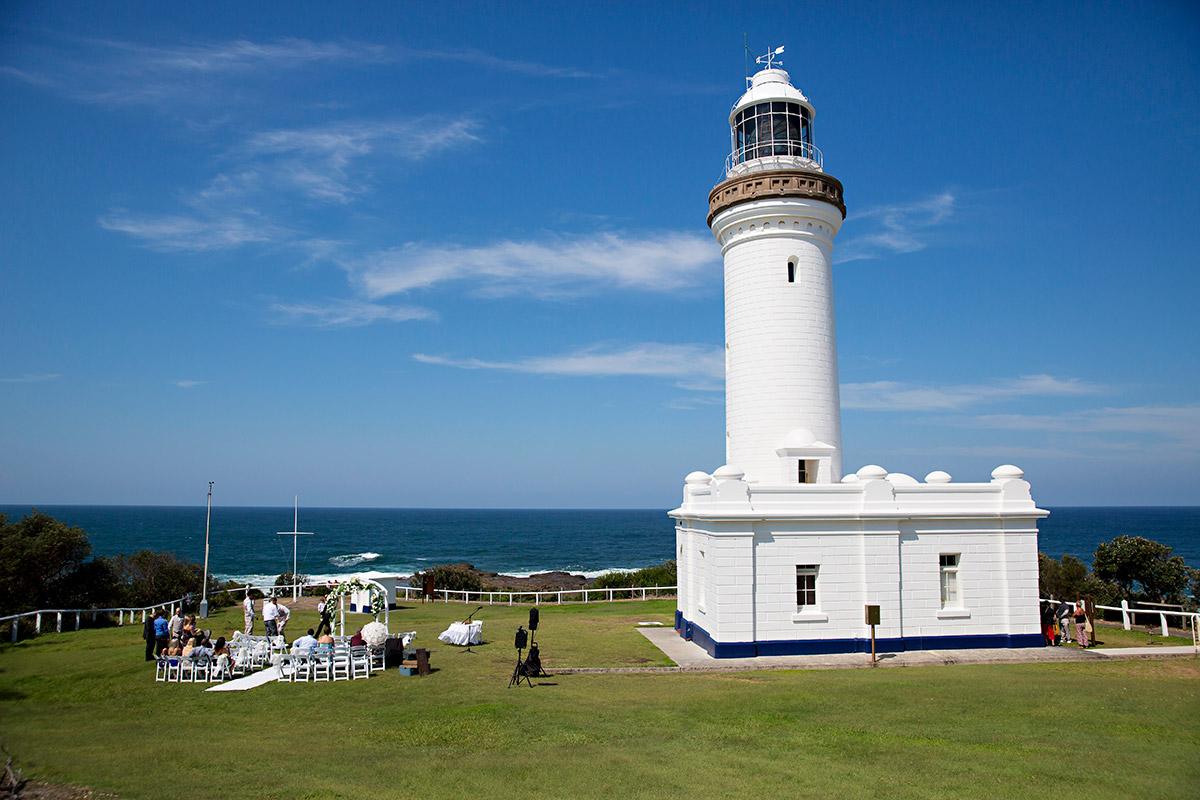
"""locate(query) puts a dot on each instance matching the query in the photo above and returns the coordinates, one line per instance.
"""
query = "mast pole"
(204, 578)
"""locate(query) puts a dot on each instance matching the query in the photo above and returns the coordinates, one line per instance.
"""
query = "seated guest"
(221, 648)
(188, 648)
(189, 627)
(202, 650)
(325, 639)
(357, 640)
(306, 642)
(175, 648)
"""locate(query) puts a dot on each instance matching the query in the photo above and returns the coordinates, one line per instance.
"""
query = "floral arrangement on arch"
(378, 596)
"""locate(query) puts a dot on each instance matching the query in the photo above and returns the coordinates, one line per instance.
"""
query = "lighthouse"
(775, 216)
(778, 551)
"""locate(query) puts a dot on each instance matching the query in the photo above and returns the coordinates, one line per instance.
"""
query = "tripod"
(519, 674)
(519, 671)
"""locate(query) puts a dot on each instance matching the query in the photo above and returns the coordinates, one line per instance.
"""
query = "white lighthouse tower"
(775, 217)
(778, 553)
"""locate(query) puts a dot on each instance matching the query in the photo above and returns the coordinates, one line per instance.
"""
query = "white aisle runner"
(249, 682)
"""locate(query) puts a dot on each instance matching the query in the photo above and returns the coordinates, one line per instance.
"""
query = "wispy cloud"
(902, 228)
(647, 359)
(317, 162)
(271, 169)
(347, 313)
(469, 55)
(119, 73)
(555, 266)
(32, 378)
(206, 229)
(894, 396)
(122, 73)
(187, 384)
(1178, 423)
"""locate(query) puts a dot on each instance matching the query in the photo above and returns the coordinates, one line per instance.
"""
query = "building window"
(806, 587)
(702, 583)
(949, 569)
(791, 272)
(806, 471)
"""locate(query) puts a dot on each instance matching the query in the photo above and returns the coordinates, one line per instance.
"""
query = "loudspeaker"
(533, 619)
(522, 639)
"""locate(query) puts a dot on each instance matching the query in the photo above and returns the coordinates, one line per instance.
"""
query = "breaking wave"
(353, 559)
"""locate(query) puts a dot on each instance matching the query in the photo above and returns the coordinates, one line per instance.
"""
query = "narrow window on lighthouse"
(791, 272)
(807, 472)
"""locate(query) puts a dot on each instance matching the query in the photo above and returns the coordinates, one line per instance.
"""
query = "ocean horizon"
(245, 545)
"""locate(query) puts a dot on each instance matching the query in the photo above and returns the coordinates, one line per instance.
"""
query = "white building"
(778, 553)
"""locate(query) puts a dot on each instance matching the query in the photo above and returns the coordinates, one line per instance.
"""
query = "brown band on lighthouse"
(775, 183)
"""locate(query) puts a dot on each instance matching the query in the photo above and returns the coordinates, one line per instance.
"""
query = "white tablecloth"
(462, 633)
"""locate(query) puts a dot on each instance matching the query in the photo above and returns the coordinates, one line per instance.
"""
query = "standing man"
(326, 623)
(177, 621)
(248, 612)
(161, 629)
(1064, 620)
(270, 616)
(148, 635)
(284, 615)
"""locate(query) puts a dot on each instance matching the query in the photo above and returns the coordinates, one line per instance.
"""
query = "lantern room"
(771, 127)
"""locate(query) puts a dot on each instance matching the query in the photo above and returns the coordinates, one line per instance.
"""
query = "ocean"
(244, 545)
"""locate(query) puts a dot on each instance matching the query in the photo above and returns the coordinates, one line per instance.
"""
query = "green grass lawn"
(82, 707)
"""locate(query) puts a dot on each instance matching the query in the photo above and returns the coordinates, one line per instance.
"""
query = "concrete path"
(691, 657)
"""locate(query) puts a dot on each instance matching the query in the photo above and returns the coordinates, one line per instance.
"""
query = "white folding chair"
(304, 663)
(322, 665)
(360, 663)
(174, 669)
(160, 668)
(341, 663)
(287, 669)
(240, 665)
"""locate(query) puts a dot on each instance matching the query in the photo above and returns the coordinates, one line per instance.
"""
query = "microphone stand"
(468, 622)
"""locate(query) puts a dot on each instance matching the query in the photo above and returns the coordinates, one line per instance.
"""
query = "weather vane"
(771, 59)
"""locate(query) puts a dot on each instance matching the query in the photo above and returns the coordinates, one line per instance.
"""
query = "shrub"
(147, 577)
(663, 574)
(455, 577)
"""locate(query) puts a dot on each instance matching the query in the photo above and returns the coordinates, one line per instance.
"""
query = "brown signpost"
(872, 620)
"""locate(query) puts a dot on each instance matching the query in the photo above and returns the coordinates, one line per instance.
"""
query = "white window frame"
(952, 607)
(806, 612)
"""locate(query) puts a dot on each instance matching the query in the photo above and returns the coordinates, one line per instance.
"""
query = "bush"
(147, 577)
(42, 565)
(455, 577)
(663, 574)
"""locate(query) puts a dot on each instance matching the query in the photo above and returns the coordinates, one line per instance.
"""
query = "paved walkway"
(690, 657)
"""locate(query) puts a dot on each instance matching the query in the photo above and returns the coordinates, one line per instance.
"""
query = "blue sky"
(400, 254)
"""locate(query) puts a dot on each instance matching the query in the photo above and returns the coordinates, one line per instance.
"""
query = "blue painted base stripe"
(813, 647)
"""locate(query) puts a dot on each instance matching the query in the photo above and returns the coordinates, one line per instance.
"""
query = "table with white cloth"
(462, 633)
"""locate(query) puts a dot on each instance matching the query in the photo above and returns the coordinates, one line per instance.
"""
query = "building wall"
(866, 555)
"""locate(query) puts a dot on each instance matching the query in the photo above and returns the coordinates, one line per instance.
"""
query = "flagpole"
(204, 578)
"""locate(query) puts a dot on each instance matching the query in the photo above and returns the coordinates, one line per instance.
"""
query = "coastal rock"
(556, 580)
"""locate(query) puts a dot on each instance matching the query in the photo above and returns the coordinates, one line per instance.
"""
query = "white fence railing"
(538, 597)
(1189, 620)
(410, 593)
(78, 613)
